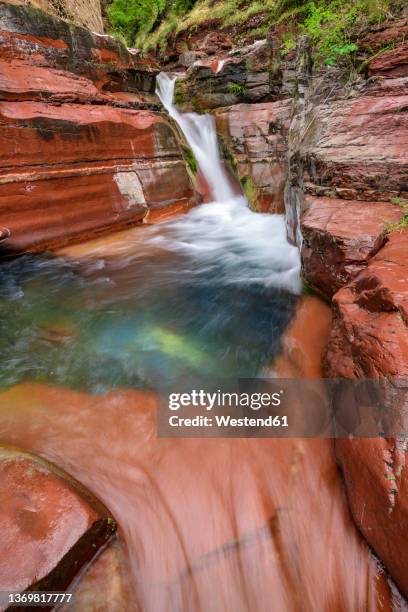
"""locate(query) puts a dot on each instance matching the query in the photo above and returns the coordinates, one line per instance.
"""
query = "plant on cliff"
(403, 222)
(332, 25)
(130, 18)
(236, 89)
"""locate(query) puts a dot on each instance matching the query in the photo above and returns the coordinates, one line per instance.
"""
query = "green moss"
(189, 158)
(251, 192)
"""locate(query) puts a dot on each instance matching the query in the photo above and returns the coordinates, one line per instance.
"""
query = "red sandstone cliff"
(334, 151)
(83, 148)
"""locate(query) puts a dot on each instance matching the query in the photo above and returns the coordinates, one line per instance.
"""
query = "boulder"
(52, 527)
(339, 237)
(369, 336)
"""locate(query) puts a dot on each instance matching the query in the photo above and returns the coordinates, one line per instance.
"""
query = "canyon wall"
(83, 146)
(85, 149)
(347, 208)
(86, 13)
(329, 146)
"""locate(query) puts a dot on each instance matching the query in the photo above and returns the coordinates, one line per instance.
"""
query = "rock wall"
(332, 145)
(346, 200)
(86, 13)
(83, 147)
(244, 89)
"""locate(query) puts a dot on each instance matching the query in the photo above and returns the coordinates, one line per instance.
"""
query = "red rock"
(361, 144)
(73, 164)
(369, 339)
(382, 34)
(339, 237)
(293, 531)
(48, 42)
(255, 135)
(20, 81)
(377, 488)
(369, 336)
(393, 62)
(305, 340)
(48, 520)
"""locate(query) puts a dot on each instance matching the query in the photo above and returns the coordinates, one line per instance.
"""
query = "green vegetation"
(332, 25)
(189, 158)
(236, 88)
(403, 222)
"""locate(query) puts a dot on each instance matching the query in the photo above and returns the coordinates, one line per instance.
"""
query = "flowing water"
(205, 524)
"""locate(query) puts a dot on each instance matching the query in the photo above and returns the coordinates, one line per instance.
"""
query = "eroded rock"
(255, 139)
(83, 150)
(293, 532)
(339, 237)
(369, 339)
(51, 526)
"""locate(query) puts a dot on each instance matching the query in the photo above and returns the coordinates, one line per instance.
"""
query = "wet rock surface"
(51, 526)
(78, 124)
(255, 139)
(369, 339)
(265, 551)
(339, 237)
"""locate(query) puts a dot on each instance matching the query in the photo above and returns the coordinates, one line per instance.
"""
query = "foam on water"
(252, 246)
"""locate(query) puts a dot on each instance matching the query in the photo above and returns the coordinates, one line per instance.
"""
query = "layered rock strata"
(84, 149)
(346, 199)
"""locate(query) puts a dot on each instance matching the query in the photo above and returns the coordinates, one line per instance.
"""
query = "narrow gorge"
(220, 205)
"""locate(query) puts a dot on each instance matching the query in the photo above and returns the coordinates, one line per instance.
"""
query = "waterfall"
(201, 135)
(241, 246)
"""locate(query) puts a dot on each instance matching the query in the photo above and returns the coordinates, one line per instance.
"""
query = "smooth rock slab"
(339, 237)
(51, 526)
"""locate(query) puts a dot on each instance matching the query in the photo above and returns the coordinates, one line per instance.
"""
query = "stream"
(209, 525)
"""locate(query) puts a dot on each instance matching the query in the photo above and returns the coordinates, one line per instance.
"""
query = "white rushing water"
(252, 246)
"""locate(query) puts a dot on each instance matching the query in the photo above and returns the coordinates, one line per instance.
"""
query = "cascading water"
(252, 246)
(201, 135)
(208, 293)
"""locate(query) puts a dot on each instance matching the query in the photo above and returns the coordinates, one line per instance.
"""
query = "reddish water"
(208, 525)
